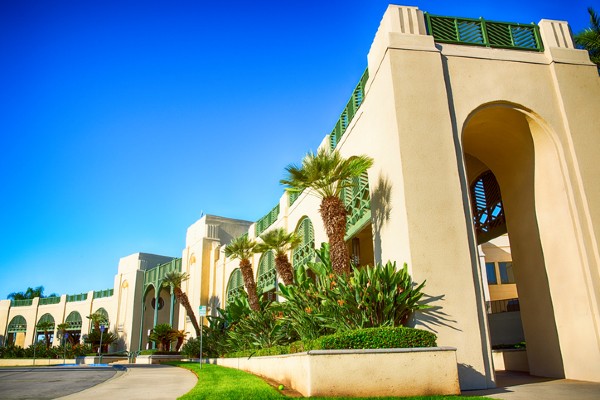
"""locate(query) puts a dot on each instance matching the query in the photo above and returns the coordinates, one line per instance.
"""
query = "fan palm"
(281, 243)
(327, 173)
(242, 248)
(174, 280)
(46, 327)
(589, 38)
(162, 335)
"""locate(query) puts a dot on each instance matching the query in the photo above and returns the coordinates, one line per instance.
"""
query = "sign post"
(202, 314)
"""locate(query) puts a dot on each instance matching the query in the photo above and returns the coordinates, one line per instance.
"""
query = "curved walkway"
(142, 382)
(522, 386)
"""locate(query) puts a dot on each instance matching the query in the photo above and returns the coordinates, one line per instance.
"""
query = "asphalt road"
(42, 383)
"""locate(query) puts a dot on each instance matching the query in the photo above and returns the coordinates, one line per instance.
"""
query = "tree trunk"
(333, 213)
(248, 276)
(183, 300)
(284, 268)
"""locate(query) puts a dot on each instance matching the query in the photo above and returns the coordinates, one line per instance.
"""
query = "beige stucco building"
(485, 138)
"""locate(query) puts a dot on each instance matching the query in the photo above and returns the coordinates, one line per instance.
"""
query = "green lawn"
(217, 383)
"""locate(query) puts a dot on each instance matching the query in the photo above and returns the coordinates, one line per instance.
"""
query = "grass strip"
(217, 383)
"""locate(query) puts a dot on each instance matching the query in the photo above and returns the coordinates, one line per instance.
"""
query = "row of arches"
(17, 327)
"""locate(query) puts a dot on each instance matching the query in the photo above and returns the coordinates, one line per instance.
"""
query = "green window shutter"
(73, 321)
(17, 324)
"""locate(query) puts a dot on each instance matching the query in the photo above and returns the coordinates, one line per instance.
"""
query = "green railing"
(155, 275)
(357, 200)
(293, 196)
(305, 251)
(21, 303)
(354, 103)
(266, 221)
(98, 294)
(49, 300)
(479, 32)
(267, 273)
(77, 297)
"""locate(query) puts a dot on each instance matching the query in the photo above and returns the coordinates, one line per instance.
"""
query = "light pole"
(102, 327)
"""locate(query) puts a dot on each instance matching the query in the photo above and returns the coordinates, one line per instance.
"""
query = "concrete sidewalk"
(522, 386)
(142, 382)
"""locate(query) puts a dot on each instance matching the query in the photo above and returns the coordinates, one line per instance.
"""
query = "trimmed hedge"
(368, 338)
(156, 352)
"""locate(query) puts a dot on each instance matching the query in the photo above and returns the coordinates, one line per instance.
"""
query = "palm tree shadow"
(381, 210)
(434, 317)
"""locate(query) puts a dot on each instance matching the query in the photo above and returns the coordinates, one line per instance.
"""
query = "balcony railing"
(479, 32)
(77, 297)
(354, 103)
(21, 303)
(98, 294)
(266, 221)
(49, 300)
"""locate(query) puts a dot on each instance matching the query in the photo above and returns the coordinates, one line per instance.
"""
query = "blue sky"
(122, 121)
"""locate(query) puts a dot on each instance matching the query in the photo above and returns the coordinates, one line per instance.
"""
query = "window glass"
(491, 273)
(506, 272)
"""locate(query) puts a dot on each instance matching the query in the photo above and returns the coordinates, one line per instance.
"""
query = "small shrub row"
(368, 338)
(157, 352)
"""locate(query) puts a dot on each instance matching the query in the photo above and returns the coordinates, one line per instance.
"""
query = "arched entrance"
(512, 145)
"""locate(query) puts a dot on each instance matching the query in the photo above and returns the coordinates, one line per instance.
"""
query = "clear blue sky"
(122, 121)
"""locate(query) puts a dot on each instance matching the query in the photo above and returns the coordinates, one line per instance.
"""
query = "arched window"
(17, 324)
(488, 211)
(235, 285)
(357, 200)
(46, 318)
(73, 321)
(104, 313)
(304, 253)
(267, 275)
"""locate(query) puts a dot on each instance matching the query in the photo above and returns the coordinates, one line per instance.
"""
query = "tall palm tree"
(327, 173)
(174, 280)
(280, 242)
(46, 326)
(242, 248)
(589, 38)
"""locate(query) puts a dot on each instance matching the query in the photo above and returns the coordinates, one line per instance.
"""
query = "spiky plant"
(174, 281)
(242, 248)
(589, 38)
(280, 242)
(327, 173)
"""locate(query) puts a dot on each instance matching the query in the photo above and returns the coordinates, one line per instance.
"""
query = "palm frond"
(241, 248)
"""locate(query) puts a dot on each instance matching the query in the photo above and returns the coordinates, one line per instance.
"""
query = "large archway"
(515, 145)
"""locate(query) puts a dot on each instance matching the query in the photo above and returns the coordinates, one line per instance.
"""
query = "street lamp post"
(102, 328)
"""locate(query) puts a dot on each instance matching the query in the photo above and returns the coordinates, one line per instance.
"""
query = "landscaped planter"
(157, 359)
(510, 360)
(359, 373)
(18, 362)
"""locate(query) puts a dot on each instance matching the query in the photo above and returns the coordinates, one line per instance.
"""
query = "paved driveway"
(42, 383)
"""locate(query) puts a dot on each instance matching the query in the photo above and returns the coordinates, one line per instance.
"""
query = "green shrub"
(368, 338)
(12, 351)
(379, 338)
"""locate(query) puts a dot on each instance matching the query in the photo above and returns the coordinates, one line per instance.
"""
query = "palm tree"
(180, 336)
(30, 293)
(46, 326)
(163, 335)
(97, 319)
(589, 38)
(281, 243)
(327, 173)
(242, 248)
(174, 280)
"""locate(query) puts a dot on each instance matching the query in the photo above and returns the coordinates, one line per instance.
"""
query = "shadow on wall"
(381, 209)
(214, 303)
(434, 316)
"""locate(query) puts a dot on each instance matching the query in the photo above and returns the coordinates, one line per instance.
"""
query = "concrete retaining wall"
(510, 360)
(18, 362)
(381, 372)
